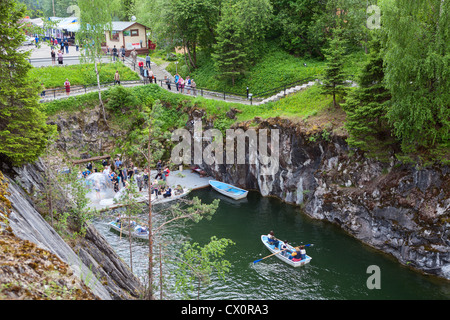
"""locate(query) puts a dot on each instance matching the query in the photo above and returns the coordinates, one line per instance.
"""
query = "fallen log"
(90, 159)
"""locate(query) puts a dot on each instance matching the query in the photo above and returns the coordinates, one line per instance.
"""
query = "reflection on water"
(337, 270)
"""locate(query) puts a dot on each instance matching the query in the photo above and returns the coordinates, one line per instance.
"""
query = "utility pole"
(53, 5)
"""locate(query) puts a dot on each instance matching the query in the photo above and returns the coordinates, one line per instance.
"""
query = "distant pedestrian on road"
(67, 85)
(60, 57)
(53, 54)
(116, 78)
(62, 45)
(66, 44)
(36, 39)
(147, 61)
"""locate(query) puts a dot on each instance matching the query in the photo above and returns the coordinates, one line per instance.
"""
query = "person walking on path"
(167, 81)
(116, 78)
(123, 54)
(114, 52)
(134, 57)
(188, 85)
(67, 85)
(150, 75)
(145, 75)
(147, 61)
(181, 84)
(177, 77)
(141, 68)
(53, 54)
(66, 45)
(194, 87)
(60, 57)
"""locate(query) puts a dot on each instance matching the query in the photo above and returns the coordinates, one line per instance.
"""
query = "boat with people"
(285, 252)
(138, 231)
(228, 190)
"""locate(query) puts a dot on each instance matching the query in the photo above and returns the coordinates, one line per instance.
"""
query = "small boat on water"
(285, 255)
(228, 190)
(137, 230)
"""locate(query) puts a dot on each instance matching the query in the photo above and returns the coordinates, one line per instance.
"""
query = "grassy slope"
(82, 74)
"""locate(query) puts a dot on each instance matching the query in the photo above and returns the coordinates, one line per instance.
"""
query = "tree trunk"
(150, 227)
(185, 60)
(100, 93)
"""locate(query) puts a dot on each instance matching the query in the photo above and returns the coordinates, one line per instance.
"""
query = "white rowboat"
(136, 230)
(285, 256)
(228, 190)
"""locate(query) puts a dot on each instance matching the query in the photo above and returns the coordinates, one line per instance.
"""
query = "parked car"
(29, 41)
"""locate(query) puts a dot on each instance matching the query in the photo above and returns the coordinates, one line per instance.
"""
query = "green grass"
(80, 74)
(274, 69)
(300, 105)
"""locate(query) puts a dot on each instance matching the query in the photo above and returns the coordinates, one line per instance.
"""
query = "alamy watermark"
(260, 150)
(374, 21)
(374, 280)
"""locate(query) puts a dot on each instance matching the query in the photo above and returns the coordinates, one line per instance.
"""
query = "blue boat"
(228, 190)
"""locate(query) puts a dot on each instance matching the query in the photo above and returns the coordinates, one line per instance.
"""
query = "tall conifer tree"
(334, 77)
(230, 53)
(366, 107)
(23, 128)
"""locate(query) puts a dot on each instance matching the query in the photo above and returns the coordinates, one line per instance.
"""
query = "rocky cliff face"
(93, 261)
(399, 209)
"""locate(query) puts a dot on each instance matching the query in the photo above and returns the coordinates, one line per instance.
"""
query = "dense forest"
(401, 104)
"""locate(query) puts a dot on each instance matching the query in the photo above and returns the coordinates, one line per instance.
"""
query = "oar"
(306, 245)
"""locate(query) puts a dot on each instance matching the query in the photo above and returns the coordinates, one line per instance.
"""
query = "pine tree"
(367, 105)
(334, 77)
(230, 55)
(23, 128)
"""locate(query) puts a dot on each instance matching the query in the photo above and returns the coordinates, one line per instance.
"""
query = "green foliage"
(120, 100)
(81, 74)
(196, 264)
(23, 128)
(417, 71)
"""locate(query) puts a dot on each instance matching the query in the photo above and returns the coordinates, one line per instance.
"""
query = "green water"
(338, 269)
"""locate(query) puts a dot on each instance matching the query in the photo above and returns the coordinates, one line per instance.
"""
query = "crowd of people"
(119, 174)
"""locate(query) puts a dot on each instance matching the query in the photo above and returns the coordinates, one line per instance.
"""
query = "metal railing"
(170, 85)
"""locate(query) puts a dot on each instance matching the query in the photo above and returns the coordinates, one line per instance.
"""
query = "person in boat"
(141, 229)
(297, 254)
(284, 246)
(302, 252)
(118, 222)
(272, 240)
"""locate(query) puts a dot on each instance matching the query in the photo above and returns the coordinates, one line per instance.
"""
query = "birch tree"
(95, 20)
